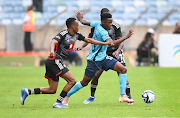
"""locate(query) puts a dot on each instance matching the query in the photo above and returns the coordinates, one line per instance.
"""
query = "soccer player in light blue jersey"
(97, 58)
(115, 52)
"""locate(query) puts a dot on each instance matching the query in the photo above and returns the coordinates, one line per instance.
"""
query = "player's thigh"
(85, 80)
(98, 74)
(91, 69)
(120, 68)
(68, 76)
(108, 63)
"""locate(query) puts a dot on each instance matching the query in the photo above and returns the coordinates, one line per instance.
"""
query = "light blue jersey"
(98, 52)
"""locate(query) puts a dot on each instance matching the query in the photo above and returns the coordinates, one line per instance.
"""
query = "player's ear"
(102, 21)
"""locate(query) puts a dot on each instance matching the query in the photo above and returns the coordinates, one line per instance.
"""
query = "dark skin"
(68, 76)
(106, 24)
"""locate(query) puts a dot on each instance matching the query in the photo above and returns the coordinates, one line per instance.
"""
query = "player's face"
(75, 26)
(152, 36)
(107, 23)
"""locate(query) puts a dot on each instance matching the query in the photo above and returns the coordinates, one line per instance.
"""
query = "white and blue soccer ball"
(148, 96)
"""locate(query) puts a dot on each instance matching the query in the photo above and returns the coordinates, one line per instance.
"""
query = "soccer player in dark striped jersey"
(60, 47)
(113, 51)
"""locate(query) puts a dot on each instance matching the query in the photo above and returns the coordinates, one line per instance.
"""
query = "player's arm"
(92, 41)
(85, 43)
(80, 18)
(81, 47)
(52, 46)
(117, 42)
(116, 53)
(118, 35)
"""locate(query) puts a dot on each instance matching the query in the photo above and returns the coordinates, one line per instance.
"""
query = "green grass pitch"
(165, 82)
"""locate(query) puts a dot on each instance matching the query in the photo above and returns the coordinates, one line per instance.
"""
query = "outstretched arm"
(81, 47)
(130, 33)
(116, 53)
(84, 44)
(92, 41)
(80, 18)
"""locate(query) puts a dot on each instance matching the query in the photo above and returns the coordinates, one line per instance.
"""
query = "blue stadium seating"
(124, 11)
(16, 2)
(4, 15)
(18, 9)
(7, 8)
(141, 22)
(6, 2)
(150, 3)
(40, 21)
(14, 15)
(128, 3)
(51, 8)
(17, 21)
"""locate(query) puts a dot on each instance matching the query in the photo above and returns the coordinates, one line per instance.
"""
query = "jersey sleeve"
(80, 37)
(91, 33)
(105, 35)
(95, 24)
(58, 37)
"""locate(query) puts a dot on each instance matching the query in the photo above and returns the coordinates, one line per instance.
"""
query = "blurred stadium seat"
(128, 10)
(6, 21)
(141, 22)
(139, 3)
(17, 21)
(26, 3)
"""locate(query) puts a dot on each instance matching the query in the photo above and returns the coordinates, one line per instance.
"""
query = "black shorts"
(54, 69)
(121, 57)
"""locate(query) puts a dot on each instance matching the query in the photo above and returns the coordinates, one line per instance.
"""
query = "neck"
(71, 31)
(104, 27)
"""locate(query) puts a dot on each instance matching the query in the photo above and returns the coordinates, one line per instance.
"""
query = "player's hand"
(109, 43)
(79, 15)
(130, 33)
(52, 54)
(116, 54)
(77, 49)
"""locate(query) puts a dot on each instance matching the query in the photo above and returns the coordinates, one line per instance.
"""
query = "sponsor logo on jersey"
(71, 46)
(106, 36)
(58, 37)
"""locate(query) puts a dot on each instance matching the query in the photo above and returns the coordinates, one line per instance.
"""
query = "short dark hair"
(103, 10)
(69, 22)
(104, 16)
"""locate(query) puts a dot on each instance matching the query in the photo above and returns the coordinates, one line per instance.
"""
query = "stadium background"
(138, 14)
(163, 81)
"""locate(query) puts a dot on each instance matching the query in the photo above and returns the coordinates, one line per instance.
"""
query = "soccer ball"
(148, 96)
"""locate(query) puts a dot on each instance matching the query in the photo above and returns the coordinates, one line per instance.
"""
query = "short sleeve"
(91, 33)
(105, 35)
(94, 24)
(58, 37)
(80, 37)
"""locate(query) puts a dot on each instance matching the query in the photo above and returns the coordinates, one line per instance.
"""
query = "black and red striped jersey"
(65, 44)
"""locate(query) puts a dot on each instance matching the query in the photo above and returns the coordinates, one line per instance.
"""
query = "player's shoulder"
(63, 32)
(102, 30)
(78, 33)
(116, 25)
(97, 22)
